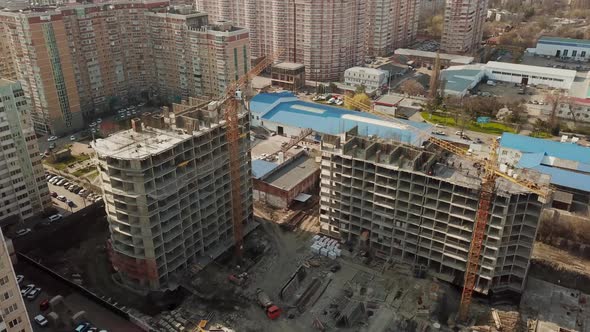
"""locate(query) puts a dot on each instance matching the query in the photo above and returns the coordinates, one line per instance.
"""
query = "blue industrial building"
(567, 163)
(286, 115)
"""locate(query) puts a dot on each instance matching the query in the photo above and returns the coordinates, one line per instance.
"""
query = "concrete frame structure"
(23, 186)
(280, 186)
(463, 26)
(427, 58)
(288, 75)
(13, 313)
(117, 53)
(166, 186)
(407, 204)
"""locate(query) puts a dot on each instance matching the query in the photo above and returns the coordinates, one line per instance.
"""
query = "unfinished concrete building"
(418, 205)
(166, 186)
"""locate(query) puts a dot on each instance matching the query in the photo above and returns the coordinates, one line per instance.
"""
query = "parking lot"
(75, 301)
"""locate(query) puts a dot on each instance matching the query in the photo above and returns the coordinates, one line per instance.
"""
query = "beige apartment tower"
(23, 187)
(392, 24)
(13, 313)
(167, 191)
(417, 206)
(463, 26)
(81, 60)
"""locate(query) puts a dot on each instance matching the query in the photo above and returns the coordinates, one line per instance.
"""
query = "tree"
(362, 98)
(360, 89)
(556, 99)
(412, 88)
(333, 87)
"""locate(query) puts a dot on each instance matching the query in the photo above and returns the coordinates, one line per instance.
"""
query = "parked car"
(55, 217)
(83, 327)
(52, 146)
(72, 138)
(99, 120)
(438, 125)
(44, 305)
(78, 190)
(71, 204)
(53, 194)
(23, 232)
(19, 278)
(82, 192)
(40, 320)
(52, 138)
(459, 133)
(27, 289)
(62, 198)
(33, 294)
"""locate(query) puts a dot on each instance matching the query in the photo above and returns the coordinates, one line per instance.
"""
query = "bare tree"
(555, 99)
(412, 88)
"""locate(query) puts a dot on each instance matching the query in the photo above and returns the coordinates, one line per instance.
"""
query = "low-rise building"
(425, 58)
(22, 179)
(288, 75)
(370, 78)
(293, 180)
(559, 47)
(567, 163)
(286, 115)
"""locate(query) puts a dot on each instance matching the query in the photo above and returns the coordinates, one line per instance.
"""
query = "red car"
(44, 305)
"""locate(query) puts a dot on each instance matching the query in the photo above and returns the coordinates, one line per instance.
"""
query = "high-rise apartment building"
(392, 24)
(415, 205)
(463, 26)
(23, 188)
(326, 36)
(85, 59)
(39, 50)
(167, 191)
(13, 313)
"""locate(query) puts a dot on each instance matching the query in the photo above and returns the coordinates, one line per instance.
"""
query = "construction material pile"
(325, 246)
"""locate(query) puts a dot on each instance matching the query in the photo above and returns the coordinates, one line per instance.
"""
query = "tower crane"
(231, 101)
(488, 184)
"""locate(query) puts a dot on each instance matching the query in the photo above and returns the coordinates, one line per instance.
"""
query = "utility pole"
(434, 79)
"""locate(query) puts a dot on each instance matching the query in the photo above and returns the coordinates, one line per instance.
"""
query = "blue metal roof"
(566, 178)
(530, 160)
(262, 167)
(333, 120)
(566, 151)
(262, 102)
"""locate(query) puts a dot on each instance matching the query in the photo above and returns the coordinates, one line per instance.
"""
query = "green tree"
(361, 98)
(333, 87)
(360, 89)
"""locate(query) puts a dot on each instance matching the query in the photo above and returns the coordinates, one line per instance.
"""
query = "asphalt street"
(97, 315)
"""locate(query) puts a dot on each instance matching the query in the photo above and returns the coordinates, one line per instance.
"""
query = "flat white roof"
(288, 65)
(443, 56)
(531, 69)
(131, 145)
(367, 70)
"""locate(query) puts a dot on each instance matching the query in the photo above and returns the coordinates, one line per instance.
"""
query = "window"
(565, 52)
(574, 53)
(583, 54)
(4, 280)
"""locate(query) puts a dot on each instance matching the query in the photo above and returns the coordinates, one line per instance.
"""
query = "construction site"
(244, 229)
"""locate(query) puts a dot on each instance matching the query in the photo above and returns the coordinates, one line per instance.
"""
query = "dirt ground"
(561, 258)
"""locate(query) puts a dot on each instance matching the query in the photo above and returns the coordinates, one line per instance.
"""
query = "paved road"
(96, 314)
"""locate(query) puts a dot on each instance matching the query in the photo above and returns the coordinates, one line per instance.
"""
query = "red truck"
(272, 311)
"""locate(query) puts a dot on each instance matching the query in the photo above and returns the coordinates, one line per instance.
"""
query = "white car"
(99, 120)
(41, 320)
(72, 138)
(27, 289)
(19, 278)
(34, 293)
(52, 138)
(438, 125)
(23, 232)
(55, 217)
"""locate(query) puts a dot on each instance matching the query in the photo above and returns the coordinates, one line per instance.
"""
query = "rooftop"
(288, 65)
(566, 151)
(526, 68)
(262, 167)
(372, 71)
(564, 41)
(461, 78)
(292, 172)
(566, 178)
(285, 108)
(461, 59)
(130, 145)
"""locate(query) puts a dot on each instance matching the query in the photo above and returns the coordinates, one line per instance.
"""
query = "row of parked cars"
(72, 187)
(31, 292)
(129, 112)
